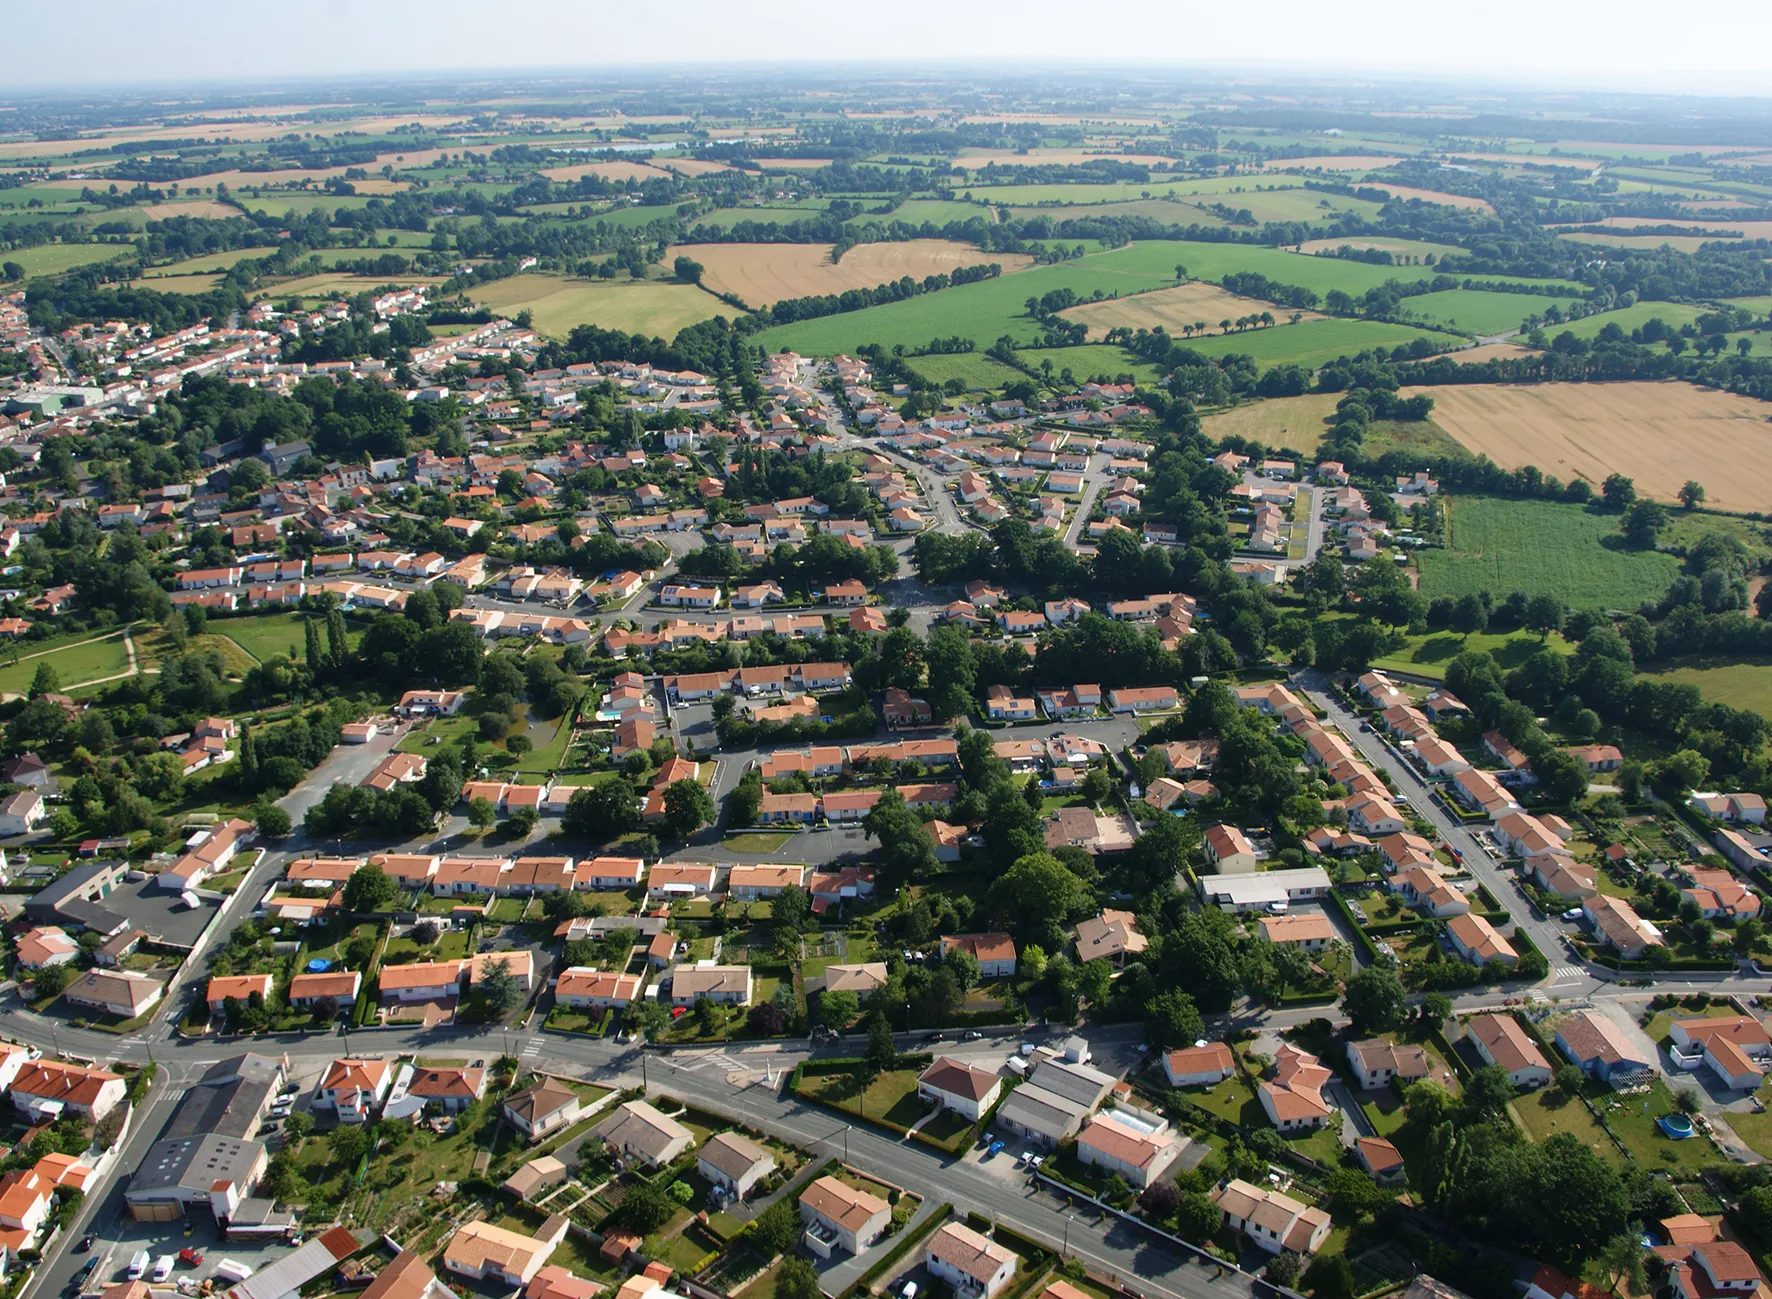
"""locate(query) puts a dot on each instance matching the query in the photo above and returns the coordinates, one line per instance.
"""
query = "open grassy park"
(76, 659)
(556, 303)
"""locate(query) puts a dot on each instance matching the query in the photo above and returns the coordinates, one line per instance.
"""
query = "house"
(544, 1106)
(861, 979)
(1719, 894)
(1591, 1040)
(1198, 1066)
(728, 985)
(1605, 757)
(1501, 1041)
(235, 987)
(484, 1252)
(1424, 888)
(1054, 1103)
(757, 883)
(1714, 1268)
(580, 987)
(734, 1162)
(903, 710)
(450, 1087)
(1113, 935)
(1736, 1048)
(49, 1089)
(407, 1277)
(975, 1266)
(787, 809)
(838, 1216)
(995, 953)
(22, 812)
(1293, 1098)
(1129, 1149)
(959, 1087)
(1382, 1160)
(530, 1182)
(353, 1088)
(1617, 925)
(1228, 850)
(845, 595)
(1271, 1219)
(1142, 699)
(123, 993)
(640, 1132)
(1376, 1062)
(44, 946)
(432, 981)
(1477, 941)
(1310, 932)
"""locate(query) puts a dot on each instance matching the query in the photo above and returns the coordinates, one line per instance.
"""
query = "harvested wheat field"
(1657, 434)
(761, 274)
(692, 166)
(1489, 352)
(1177, 310)
(1406, 193)
(611, 171)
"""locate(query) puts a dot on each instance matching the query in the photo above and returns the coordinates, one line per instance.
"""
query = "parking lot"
(118, 1242)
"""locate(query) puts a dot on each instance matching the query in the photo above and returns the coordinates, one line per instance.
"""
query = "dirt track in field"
(762, 274)
(1657, 434)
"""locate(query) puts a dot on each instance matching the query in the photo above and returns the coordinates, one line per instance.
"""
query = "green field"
(918, 210)
(983, 312)
(1312, 342)
(79, 661)
(207, 263)
(646, 307)
(1740, 685)
(1090, 359)
(765, 214)
(1212, 261)
(278, 202)
(1477, 312)
(1541, 548)
(1233, 191)
(975, 368)
(1428, 654)
(269, 635)
(53, 259)
(1629, 318)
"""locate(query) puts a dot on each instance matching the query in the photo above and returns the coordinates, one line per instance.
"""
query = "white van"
(138, 1264)
(229, 1270)
(163, 1267)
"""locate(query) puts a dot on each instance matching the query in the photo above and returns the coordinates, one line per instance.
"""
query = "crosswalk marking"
(533, 1048)
(1569, 973)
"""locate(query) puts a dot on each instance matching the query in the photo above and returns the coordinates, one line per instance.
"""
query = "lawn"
(1740, 685)
(269, 635)
(441, 730)
(1089, 359)
(974, 369)
(544, 758)
(892, 1096)
(1754, 1129)
(1673, 314)
(1428, 653)
(77, 661)
(53, 259)
(757, 843)
(1633, 1119)
(1476, 311)
(1546, 1112)
(1312, 342)
(649, 307)
(1541, 548)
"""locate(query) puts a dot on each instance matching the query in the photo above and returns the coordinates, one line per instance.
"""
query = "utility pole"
(1065, 1252)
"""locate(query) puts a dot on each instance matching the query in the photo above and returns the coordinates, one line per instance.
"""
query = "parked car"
(163, 1267)
(973, 1035)
(908, 1290)
(138, 1264)
(190, 1257)
(87, 1240)
(1573, 913)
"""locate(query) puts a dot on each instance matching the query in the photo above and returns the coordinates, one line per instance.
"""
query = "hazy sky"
(1725, 46)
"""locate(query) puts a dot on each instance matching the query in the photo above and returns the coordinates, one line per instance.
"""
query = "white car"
(163, 1267)
(908, 1291)
(138, 1264)
(1573, 913)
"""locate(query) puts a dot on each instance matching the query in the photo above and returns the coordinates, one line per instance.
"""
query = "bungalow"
(1591, 1040)
(690, 597)
(641, 1132)
(331, 991)
(973, 1265)
(995, 953)
(1617, 925)
(486, 1252)
(755, 883)
(1002, 705)
(1309, 932)
(1113, 935)
(1136, 1153)
(1718, 894)
(776, 809)
(734, 1163)
(959, 1087)
(44, 946)
(1199, 1066)
(680, 880)
(545, 1105)
(48, 1089)
(449, 1087)
(837, 1215)
(728, 985)
(1142, 699)
(1477, 941)
(846, 595)
(122, 993)
(1501, 1041)
(235, 987)
(1381, 1160)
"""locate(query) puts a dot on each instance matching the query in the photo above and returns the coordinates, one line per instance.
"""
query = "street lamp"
(1068, 1219)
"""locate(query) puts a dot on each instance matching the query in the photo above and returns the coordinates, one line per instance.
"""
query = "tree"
(1197, 1218)
(602, 812)
(1643, 522)
(838, 1009)
(1374, 1000)
(1436, 1009)
(1618, 492)
(1621, 1261)
(1329, 1276)
(1171, 1020)
(791, 907)
(1569, 1079)
(687, 807)
(1158, 1201)
(796, 1279)
(649, 1020)
(272, 821)
(1283, 1269)
(882, 1052)
(482, 812)
(687, 269)
(1487, 1094)
(645, 1208)
(777, 1228)
(1687, 769)
(497, 989)
(347, 1145)
(49, 981)
(46, 681)
(1692, 494)
(370, 888)
(1037, 897)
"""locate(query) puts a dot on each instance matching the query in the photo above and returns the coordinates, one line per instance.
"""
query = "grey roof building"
(230, 1098)
(206, 1169)
(74, 899)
